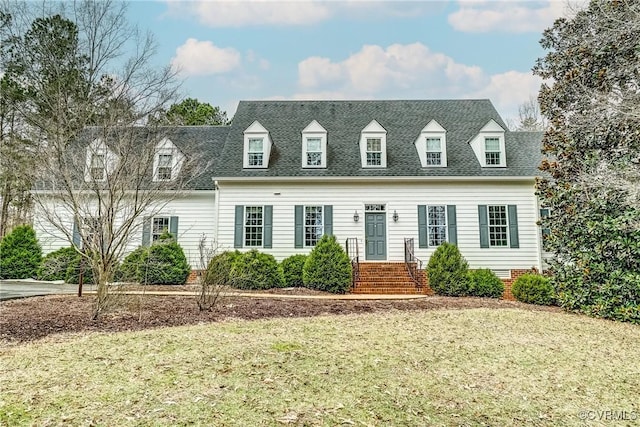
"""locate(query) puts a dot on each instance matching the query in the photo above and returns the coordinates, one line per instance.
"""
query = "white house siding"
(195, 212)
(400, 196)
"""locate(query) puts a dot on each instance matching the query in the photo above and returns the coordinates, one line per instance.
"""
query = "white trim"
(257, 131)
(373, 131)
(490, 130)
(164, 148)
(432, 130)
(314, 130)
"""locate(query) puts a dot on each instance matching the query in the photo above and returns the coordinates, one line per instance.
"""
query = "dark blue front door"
(375, 236)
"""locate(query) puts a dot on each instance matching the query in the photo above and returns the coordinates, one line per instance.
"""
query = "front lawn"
(442, 367)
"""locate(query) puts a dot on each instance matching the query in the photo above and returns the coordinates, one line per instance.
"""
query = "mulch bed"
(38, 317)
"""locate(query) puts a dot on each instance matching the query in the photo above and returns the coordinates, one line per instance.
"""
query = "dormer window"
(492, 151)
(434, 152)
(168, 161)
(98, 172)
(314, 152)
(488, 146)
(99, 162)
(374, 152)
(256, 152)
(314, 146)
(373, 146)
(431, 145)
(165, 165)
(257, 146)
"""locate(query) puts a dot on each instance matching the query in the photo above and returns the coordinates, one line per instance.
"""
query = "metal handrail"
(413, 263)
(354, 256)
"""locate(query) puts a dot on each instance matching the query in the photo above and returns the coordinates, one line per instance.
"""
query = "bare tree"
(529, 117)
(90, 85)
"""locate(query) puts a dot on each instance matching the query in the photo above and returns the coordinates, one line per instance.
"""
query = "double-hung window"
(256, 151)
(313, 225)
(159, 226)
(314, 151)
(498, 226)
(492, 151)
(434, 152)
(436, 225)
(374, 152)
(97, 167)
(165, 166)
(253, 226)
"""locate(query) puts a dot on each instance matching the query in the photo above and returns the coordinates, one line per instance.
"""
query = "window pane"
(313, 144)
(255, 159)
(374, 159)
(433, 144)
(255, 145)
(313, 227)
(159, 227)
(492, 144)
(165, 160)
(434, 159)
(437, 225)
(97, 161)
(314, 159)
(253, 226)
(492, 158)
(374, 144)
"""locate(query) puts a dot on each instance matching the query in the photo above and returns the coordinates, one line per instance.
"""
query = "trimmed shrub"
(164, 263)
(130, 269)
(20, 254)
(447, 271)
(219, 268)
(533, 289)
(292, 270)
(327, 267)
(484, 283)
(256, 271)
(54, 266)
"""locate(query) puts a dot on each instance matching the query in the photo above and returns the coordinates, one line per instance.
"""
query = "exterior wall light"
(356, 217)
(395, 216)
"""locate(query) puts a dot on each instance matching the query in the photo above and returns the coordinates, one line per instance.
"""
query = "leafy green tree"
(191, 112)
(592, 103)
(20, 254)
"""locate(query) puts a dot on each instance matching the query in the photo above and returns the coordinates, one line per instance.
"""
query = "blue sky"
(263, 49)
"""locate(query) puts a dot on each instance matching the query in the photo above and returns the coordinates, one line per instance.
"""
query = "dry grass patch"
(463, 367)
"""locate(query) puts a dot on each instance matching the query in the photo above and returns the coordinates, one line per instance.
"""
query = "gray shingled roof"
(206, 141)
(403, 120)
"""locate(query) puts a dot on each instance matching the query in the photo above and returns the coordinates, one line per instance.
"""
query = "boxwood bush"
(447, 271)
(256, 271)
(54, 266)
(219, 269)
(327, 267)
(164, 263)
(533, 289)
(291, 268)
(484, 283)
(20, 254)
(131, 268)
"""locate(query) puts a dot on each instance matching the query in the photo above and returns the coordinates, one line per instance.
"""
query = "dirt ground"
(38, 317)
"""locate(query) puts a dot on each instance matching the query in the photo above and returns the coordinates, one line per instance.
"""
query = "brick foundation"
(193, 276)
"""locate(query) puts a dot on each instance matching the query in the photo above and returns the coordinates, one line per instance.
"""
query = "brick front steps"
(388, 278)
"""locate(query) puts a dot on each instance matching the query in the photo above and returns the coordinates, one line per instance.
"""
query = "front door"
(375, 235)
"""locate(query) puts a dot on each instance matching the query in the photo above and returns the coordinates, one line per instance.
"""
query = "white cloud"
(503, 16)
(199, 58)
(238, 13)
(410, 71)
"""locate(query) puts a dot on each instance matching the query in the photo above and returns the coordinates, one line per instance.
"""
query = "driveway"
(10, 289)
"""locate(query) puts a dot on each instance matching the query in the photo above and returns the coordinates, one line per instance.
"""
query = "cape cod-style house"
(390, 179)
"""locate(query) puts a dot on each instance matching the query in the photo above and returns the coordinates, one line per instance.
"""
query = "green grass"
(449, 368)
